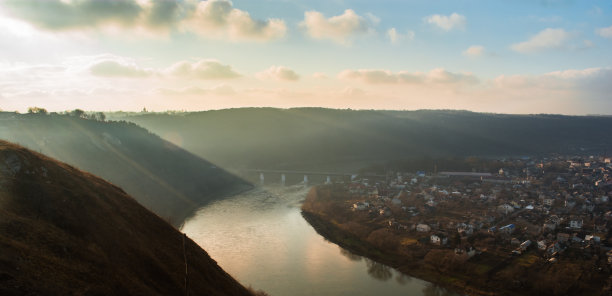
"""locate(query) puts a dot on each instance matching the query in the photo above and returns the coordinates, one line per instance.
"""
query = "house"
(423, 228)
(592, 238)
(438, 239)
(508, 229)
(525, 245)
(465, 229)
(576, 224)
(469, 251)
(542, 245)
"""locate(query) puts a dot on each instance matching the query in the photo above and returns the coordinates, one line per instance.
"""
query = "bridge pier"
(328, 181)
(261, 179)
(283, 179)
(305, 180)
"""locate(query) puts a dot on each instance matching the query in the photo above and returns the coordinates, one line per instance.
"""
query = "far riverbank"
(492, 271)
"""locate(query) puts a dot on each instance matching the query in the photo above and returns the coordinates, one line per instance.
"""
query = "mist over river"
(262, 240)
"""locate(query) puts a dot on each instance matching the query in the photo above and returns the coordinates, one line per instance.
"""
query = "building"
(575, 224)
(507, 229)
(439, 239)
(423, 228)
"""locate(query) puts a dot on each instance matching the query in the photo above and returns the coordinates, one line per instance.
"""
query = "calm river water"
(261, 239)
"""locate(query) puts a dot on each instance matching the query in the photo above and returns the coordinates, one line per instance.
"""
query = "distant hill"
(161, 176)
(67, 232)
(329, 138)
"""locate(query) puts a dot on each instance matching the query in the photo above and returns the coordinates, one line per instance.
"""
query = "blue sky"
(548, 56)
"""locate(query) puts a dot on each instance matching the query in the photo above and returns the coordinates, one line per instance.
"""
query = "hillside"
(329, 138)
(67, 232)
(163, 177)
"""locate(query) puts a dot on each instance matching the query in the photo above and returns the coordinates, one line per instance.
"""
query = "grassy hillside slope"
(161, 176)
(320, 138)
(67, 232)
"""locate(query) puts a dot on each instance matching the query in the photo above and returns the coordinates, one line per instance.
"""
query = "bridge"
(284, 174)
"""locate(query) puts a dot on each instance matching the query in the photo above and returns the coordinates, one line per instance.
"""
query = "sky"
(501, 56)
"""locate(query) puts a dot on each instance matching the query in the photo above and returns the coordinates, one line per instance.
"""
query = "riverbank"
(492, 272)
(362, 248)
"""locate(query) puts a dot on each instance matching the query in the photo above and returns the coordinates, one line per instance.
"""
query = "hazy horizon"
(511, 57)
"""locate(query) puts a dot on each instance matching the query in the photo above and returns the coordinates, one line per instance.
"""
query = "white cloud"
(585, 80)
(338, 28)
(546, 39)
(474, 51)
(116, 69)
(67, 14)
(280, 73)
(447, 23)
(218, 18)
(395, 37)
(115, 66)
(212, 18)
(202, 69)
(604, 32)
(435, 76)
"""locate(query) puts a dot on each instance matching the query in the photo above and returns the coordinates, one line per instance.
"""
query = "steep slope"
(161, 176)
(67, 232)
(319, 138)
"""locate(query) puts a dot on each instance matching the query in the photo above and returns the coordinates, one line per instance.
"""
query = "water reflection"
(349, 255)
(378, 271)
(402, 279)
(261, 238)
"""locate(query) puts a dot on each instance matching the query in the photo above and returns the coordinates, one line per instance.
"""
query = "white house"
(575, 224)
(542, 245)
(423, 228)
(438, 239)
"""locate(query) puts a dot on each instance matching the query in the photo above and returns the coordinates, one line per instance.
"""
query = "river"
(262, 240)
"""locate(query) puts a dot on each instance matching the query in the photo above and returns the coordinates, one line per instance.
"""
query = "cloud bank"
(116, 69)
(447, 23)
(338, 28)
(545, 40)
(395, 37)
(474, 51)
(435, 76)
(204, 69)
(212, 18)
(279, 73)
(604, 32)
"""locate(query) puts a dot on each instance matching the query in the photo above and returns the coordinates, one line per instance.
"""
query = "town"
(524, 216)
